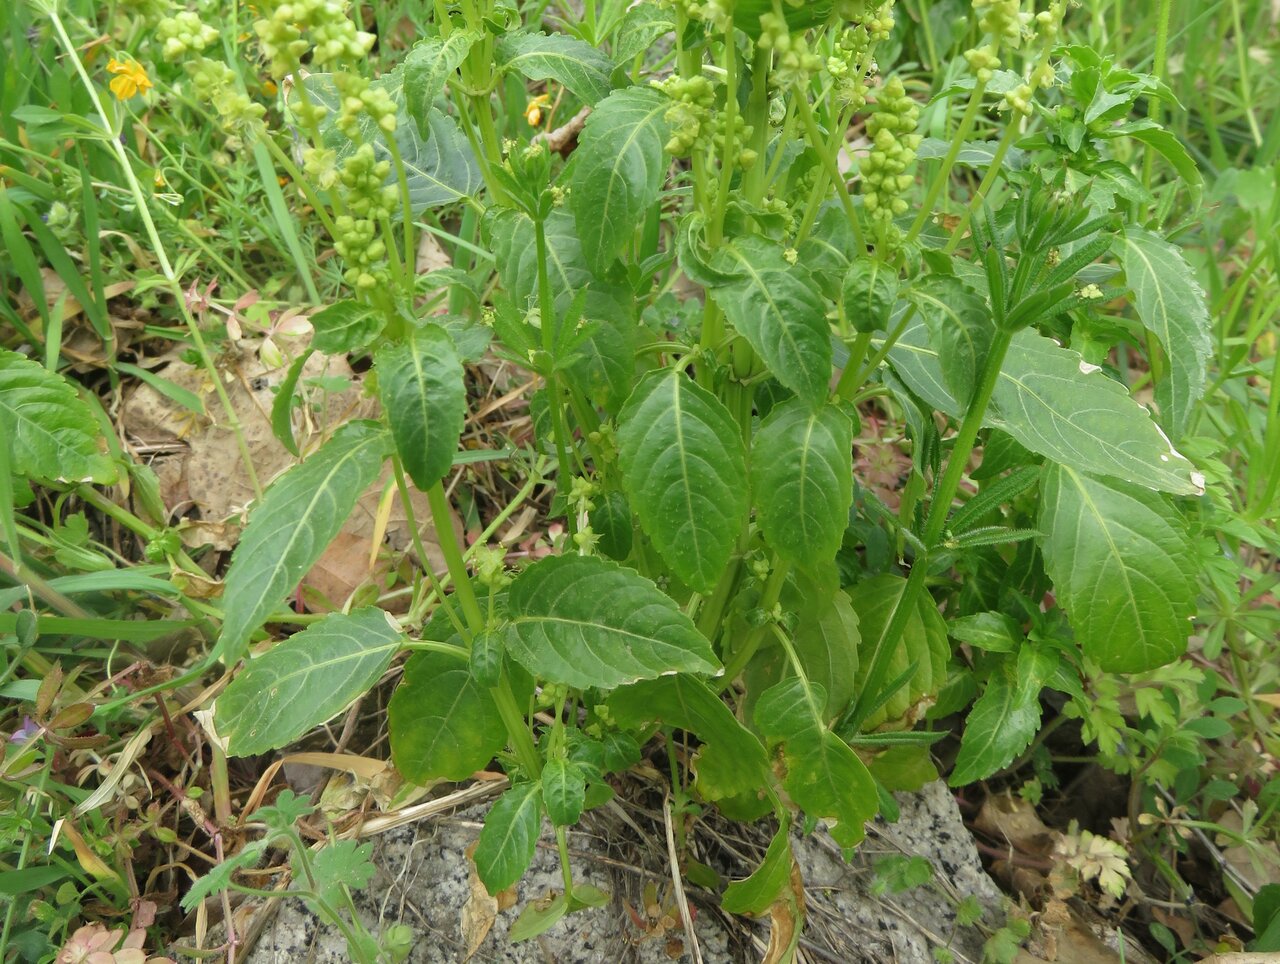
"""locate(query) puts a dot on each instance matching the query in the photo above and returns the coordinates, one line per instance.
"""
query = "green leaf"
(586, 621)
(729, 762)
(441, 169)
(444, 725)
(342, 863)
(50, 431)
(869, 293)
(923, 644)
(1005, 718)
(345, 326)
(1165, 143)
(960, 329)
(422, 392)
(564, 791)
(537, 919)
(568, 61)
(427, 68)
(825, 778)
(305, 680)
(802, 480)
(1122, 566)
(777, 307)
(28, 879)
(509, 837)
(1171, 305)
(756, 893)
(219, 878)
(293, 524)
(826, 640)
(683, 468)
(619, 168)
(643, 24)
(282, 405)
(611, 521)
(1057, 405)
(993, 632)
(512, 237)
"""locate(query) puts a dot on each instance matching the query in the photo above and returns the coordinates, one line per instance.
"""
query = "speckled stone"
(423, 883)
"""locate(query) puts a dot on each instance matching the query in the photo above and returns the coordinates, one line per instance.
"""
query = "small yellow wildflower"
(131, 78)
(533, 110)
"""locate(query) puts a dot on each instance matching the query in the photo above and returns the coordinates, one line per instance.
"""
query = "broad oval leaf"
(513, 239)
(421, 389)
(731, 760)
(1057, 405)
(1122, 567)
(289, 529)
(825, 778)
(586, 621)
(802, 480)
(567, 60)
(305, 680)
(778, 308)
(619, 166)
(960, 328)
(1170, 304)
(684, 469)
(869, 292)
(564, 791)
(50, 431)
(509, 837)
(443, 724)
(344, 326)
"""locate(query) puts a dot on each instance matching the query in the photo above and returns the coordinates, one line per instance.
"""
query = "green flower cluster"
(893, 149)
(214, 83)
(852, 58)
(690, 112)
(331, 34)
(359, 97)
(368, 199)
(1005, 23)
(1048, 27)
(183, 34)
(794, 61)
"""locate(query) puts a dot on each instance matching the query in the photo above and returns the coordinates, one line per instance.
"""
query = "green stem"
(406, 212)
(162, 257)
(939, 509)
(442, 519)
(768, 599)
(831, 168)
(1006, 141)
(546, 313)
(944, 173)
(407, 503)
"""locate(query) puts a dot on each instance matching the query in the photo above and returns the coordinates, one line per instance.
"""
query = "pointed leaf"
(802, 480)
(777, 307)
(683, 468)
(731, 759)
(1171, 305)
(345, 326)
(1005, 718)
(309, 678)
(290, 528)
(50, 431)
(512, 237)
(1057, 405)
(440, 167)
(960, 330)
(1122, 567)
(586, 621)
(509, 837)
(756, 893)
(825, 778)
(421, 389)
(826, 641)
(568, 61)
(564, 791)
(869, 293)
(620, 164)
(444, 725)
(429, 66)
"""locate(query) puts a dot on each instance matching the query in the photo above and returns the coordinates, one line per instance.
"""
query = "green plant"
(708, 309)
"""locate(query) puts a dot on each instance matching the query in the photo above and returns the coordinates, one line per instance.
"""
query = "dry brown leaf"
(479, 912)
(786, 919)
(1012, 819)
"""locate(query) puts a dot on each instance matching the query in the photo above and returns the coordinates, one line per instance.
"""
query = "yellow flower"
(131, 78)
(533, 110)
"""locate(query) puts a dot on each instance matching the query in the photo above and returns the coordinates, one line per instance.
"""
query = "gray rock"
(424, 882)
